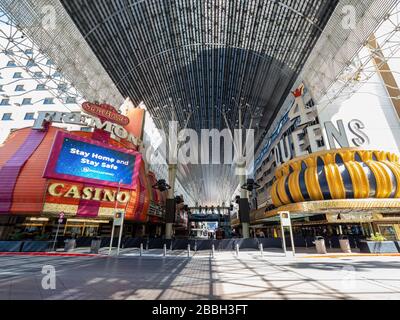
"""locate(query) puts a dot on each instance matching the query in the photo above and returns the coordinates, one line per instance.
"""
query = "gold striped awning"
(320, 207)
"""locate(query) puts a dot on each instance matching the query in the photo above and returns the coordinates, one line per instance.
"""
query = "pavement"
(152, 276)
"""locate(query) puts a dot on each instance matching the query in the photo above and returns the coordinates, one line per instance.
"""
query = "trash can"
(70, 245)
(320, 245)
(95, 246)
(345, 244)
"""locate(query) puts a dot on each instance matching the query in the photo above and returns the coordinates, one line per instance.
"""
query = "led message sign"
(77, 159)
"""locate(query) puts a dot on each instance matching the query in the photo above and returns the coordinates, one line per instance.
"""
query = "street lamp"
(161, 185)
(251, 185)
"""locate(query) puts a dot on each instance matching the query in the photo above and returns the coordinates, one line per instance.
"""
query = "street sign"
(118, 218)
(118, 222)
(60, 220)
(285, 219)
(286, 223)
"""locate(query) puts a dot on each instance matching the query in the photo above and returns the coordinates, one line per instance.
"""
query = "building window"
(29, 116)
(29, 51)
(19, 87)
(6, 117)
(1, 88)
(48, 101)
(5, 102)
(49, 63)
(26, 101)
(11, 63)
(31, 63)
(41, 87)
(38, 75)
(62, 87)
(57, 74)
(71, 100)
(18, 75)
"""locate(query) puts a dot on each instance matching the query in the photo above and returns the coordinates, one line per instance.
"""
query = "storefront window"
(388, 231)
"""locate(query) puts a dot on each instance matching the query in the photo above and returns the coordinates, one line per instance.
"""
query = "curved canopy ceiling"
(204, 55)
(203, 58)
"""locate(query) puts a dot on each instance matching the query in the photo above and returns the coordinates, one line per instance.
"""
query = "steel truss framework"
(24, 53)
(361, 70)
(335, 53)
(207, 56)
(204, 58)
(47, 24)
(339, 45)
(27, 56)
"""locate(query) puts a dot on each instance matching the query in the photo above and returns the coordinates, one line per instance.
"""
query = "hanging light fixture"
(251, 185)
(162, 185)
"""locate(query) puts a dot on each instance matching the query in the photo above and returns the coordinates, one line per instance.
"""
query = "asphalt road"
(248, 276)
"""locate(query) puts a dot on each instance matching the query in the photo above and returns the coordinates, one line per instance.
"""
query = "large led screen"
(78, 159)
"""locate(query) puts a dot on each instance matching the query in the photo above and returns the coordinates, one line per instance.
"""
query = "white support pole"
(243, 195)
(112, 237)
(172, 168)
(283, 239)
(292, 240)
(120, 233)
(55, 239)
(113, 227)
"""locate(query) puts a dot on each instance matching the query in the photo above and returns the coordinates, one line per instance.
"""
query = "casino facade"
(322, 101)
(331, 171)
(84, 176)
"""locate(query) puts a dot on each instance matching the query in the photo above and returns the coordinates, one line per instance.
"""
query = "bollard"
(261, 250)
(165, 249)
(147, 246)
(141, 249)
(195, 246)
(188, 250)
(237, 249)
(212, 250)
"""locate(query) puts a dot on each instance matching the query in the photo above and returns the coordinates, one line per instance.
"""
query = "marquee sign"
(106, 112)
(75, 158)
(93, 193)
(308, 135)
(79, 119)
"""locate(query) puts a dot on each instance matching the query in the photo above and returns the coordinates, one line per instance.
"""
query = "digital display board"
(79, 159)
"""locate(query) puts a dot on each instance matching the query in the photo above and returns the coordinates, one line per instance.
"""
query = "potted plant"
(377, 243)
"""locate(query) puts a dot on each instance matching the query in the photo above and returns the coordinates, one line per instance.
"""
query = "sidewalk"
(304, 253)
(227, 276)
